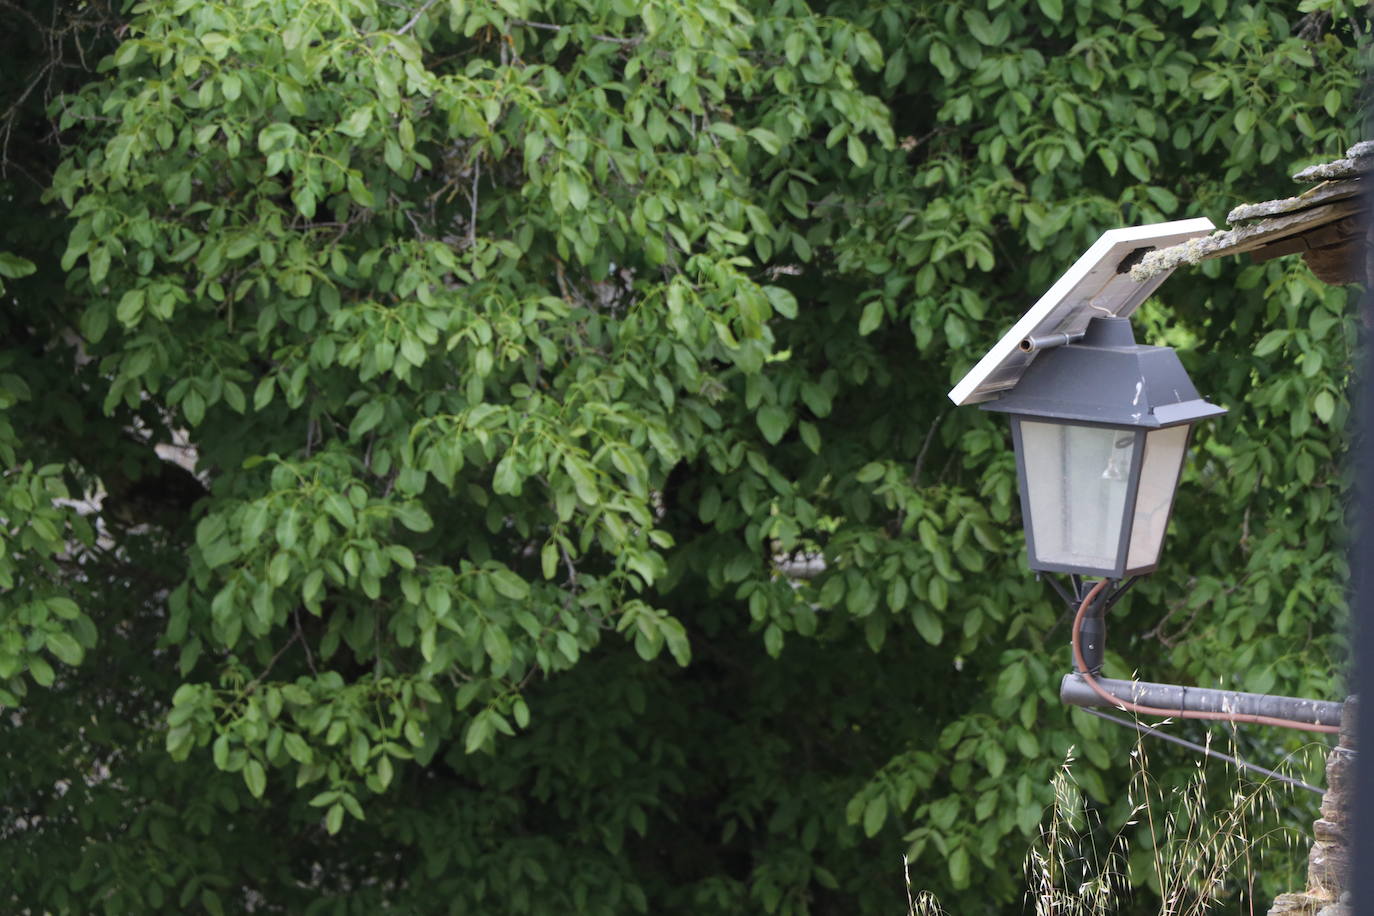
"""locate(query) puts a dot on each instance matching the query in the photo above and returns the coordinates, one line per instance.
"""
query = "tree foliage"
(523, 351)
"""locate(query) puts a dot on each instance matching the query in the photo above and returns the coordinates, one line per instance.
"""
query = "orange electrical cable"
(1179, 713)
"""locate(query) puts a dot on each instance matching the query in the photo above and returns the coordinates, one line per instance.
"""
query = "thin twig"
(925, 446)
(472, 223)
(416, 18)
(572, 570)
(554, 27)
(271, 663)
(305, 644)
(377, 647)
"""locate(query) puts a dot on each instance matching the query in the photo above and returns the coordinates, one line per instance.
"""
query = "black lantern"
(1101, 426)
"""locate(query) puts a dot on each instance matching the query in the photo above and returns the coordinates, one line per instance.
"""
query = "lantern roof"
(1107, 378)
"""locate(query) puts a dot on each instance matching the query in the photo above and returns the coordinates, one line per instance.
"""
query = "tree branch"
(416, 18)
(925, 447)
(553, 27)
(472, 222)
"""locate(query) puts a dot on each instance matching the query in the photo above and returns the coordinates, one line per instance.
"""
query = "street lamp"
(1100, 426)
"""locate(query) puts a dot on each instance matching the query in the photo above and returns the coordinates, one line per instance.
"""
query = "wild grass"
(1197, 847)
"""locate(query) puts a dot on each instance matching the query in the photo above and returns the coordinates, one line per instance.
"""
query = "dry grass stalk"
(1199, 850)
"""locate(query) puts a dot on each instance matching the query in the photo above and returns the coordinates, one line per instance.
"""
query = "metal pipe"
(1075, 691)
(1046, 341)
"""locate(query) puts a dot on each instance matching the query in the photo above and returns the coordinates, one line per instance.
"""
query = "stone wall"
(1328, 865)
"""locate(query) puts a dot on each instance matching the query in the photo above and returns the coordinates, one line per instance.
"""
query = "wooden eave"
(1325, 224)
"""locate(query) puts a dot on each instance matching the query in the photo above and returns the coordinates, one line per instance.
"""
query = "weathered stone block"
(1294, 905)
(1328, 864)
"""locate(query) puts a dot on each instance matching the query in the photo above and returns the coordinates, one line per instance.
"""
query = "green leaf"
(217, 44)
(992, 32)
(1011, 681)
(1109, 160)
(296, 747)
(995, 759)
(357, 123)
(479, 732)
(510, 585)
(231, 85)
(193, 407)
(506, 479)
(875, 815)
(1135, 164)
(937, 591)
(359, 191)
(41, 671)
(773, 422)
(940, 57)
(219, 752)
(1163, 198)
(414, 517)
(766, 139)
(498, 648)
(384, 771)
(1332, 102)
(1324, 406)
(233, 396)
(773, 640)
(1063, 114)
(927, 624)
(578, 195)
(858, 153)
(582, 480)
(65, 608)
(872, 317)
(341, 510)
(959, 867)
(870, 472)
(209, 529)
(1271, 342)
(67, 649)
(290, 95)
(14, 267)
(255, 778)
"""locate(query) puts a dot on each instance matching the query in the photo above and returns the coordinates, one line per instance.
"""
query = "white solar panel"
(1098, 283)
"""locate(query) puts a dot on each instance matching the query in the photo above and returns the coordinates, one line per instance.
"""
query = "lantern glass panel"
(1077, 479)
(1160, 466)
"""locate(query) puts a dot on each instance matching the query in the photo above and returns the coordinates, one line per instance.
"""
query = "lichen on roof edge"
(1336, 197)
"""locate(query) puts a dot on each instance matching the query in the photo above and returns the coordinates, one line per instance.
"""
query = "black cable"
(1154, 732)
